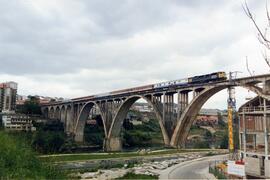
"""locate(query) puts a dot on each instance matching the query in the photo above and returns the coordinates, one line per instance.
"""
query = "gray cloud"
(86, 47)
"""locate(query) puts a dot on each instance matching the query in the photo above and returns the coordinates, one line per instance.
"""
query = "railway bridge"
(174, 125)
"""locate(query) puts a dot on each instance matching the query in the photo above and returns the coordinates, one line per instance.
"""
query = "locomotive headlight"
(222, 75)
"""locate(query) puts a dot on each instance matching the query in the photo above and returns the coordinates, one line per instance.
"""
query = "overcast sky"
(68, 48)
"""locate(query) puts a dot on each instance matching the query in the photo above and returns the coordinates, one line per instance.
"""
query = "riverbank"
(149, 167)
(62, 158)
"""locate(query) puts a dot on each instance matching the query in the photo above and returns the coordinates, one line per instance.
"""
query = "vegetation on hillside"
(30, 107)
(94, 133)
(18, 161)
(49, 137)
(146, 134)
(202, 138)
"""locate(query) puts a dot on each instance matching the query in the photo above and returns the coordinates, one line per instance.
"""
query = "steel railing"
(254, 109)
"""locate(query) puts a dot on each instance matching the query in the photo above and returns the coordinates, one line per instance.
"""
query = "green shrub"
(48, 141)
(18, 161)
(217, 173)
(137, 176)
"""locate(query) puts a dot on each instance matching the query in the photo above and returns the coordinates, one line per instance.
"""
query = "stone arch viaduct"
(174, 122)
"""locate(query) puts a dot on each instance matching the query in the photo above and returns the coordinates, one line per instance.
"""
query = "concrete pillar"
(178, 104)
(182, 101)
(255, 141)
(194, 94)
(168, 116)
(266, 87)
(164, 108)
(112, 144)
(79, 136)
(186, 100)
(244, 133)
(108, 110)
(240, 135)
(265, 130)
(62, 115)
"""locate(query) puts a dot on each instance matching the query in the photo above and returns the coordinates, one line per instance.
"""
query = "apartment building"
(8, 92)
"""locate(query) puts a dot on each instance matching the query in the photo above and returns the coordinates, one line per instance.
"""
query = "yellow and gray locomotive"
(217, 76)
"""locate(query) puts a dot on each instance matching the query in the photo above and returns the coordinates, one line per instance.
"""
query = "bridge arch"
(57, 113)
(189, 115)
(122, 112)
(63, 114)
(81, 120)
(45, 112)
(68, 119)
(51, 112)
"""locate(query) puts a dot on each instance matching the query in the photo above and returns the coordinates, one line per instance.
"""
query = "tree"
(224, 142)
(48, 141)
(31, 106)
(220, 120)
(262, 35)
(127, 124)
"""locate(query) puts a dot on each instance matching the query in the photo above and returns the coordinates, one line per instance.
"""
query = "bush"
(131, 175)
(94, 133)
(224, 142)
(142, 135)
(48, 141)
(201, 144)
(218, 174)
(18, 161)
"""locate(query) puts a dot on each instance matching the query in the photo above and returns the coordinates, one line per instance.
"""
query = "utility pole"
(231, 112)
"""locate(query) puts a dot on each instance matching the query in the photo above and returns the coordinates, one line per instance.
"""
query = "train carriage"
(135, 89)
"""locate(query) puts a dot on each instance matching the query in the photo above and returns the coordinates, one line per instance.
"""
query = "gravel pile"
(147, 168)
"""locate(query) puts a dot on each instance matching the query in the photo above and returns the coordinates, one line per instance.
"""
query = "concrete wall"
(267, 168)
(252, 166)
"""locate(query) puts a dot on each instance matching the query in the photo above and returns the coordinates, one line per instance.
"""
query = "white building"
(17, 122)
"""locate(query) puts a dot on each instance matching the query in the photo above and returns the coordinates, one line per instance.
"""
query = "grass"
(125, 165)
(97, 156)
(137, 176)
(18, 161)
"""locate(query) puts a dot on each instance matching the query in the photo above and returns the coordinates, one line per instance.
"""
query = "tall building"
(8, 93)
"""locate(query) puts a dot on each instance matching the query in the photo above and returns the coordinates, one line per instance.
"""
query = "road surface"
(195, 169)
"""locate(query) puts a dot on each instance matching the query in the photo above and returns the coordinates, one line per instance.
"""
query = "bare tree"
(262, 33)
(247, 66)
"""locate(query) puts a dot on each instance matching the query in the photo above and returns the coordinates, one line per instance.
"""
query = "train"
(206, 78)
(217, 76)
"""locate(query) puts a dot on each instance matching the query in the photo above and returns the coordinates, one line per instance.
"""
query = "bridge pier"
(169, 116)
(79, 136)
(266, 87)
(112, 144)
(182, 103)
